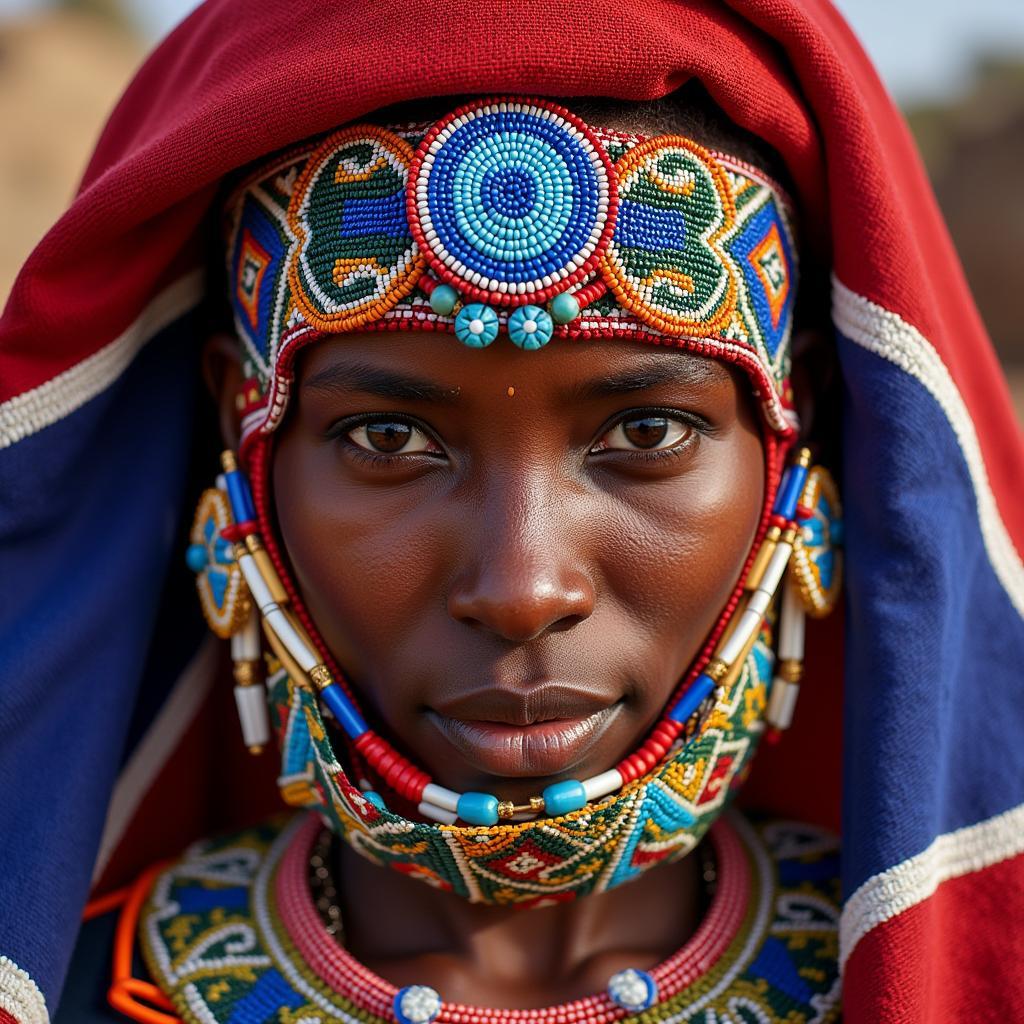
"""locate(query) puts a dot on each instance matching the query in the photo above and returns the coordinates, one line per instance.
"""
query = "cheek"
(374, 564)
(359, 554)
(679, 548)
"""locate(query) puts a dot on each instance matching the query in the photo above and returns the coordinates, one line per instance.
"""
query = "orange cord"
(126, 991)
(104, 904)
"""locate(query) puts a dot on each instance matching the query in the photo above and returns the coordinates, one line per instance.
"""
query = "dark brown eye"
(645, 433)
(390, 437)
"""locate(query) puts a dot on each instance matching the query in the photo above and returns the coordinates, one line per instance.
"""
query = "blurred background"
(956, 69)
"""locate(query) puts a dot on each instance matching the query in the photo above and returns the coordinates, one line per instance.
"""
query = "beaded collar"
(232, 933)
(659, 816)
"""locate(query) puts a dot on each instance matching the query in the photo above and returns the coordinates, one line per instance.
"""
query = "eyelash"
(339, 432)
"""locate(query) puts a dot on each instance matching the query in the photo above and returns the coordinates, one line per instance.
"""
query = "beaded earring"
(818, 556)
(225, 601)
(812, 588)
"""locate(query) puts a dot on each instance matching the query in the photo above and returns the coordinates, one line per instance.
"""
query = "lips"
(539, 731)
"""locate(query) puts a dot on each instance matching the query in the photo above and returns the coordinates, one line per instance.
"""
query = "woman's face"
(515, 555)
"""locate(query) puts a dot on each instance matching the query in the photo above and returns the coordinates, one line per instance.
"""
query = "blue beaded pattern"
(509, 203)
(222, 596)
(818, 556)
(509, 199)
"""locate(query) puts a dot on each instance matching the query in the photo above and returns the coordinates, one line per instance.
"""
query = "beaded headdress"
(515, 216)
(508, 216)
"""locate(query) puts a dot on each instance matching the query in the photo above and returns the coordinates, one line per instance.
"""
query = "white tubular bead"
(440, 797)
(782, 702)
(251, 702)
(776, 567)
(603, 784)
(791, 625)
(437, 813)
(245, 644)
(260, 591)
(745, 628)
(222, 483)
(758, 603)
(276, 619)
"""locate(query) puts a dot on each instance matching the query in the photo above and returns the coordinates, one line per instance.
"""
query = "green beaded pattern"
(213, 939)
(702, 257)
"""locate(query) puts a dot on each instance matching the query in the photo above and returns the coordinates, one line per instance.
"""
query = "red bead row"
(372, 994)
(400, 774)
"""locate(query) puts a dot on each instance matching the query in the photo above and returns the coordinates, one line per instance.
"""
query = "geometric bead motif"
(222, 596)
(355, 256)
(222, 929)
(818, 555)
(510, 203)
(659, 817)
(666, 261)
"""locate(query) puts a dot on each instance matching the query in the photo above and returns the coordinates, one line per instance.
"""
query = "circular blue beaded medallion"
(817, 556)
(511, 202)
(222, 594)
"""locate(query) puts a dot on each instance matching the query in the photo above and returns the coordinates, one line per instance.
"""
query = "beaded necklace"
(233, 935)
(631, 989)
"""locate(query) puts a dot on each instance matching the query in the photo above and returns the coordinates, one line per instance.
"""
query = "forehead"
(435, 368)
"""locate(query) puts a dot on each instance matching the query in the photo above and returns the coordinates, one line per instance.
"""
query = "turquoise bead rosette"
(511, 203)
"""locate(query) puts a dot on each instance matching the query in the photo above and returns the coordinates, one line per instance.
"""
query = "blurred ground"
(60, 75)
(61, 72)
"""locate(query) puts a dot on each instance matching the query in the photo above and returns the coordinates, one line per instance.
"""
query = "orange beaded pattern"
(687, 247)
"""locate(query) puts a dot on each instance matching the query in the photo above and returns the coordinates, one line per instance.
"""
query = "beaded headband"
(515, 214)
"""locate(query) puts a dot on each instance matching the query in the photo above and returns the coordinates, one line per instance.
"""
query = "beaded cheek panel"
(510, 215)
(655, 819)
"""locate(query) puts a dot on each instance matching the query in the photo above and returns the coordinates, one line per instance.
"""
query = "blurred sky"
(923, 48)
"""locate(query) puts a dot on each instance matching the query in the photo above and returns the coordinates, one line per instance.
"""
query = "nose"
(524, 573)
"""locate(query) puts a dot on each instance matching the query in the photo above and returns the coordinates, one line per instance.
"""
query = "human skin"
(514, 603)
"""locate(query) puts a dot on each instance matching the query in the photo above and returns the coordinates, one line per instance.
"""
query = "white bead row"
(757, 604)
(274, 615)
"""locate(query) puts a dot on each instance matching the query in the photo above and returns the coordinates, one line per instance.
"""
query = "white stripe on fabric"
(891, 892)
(155, 747)
(20, 995)
(31, 411)
(885, 333)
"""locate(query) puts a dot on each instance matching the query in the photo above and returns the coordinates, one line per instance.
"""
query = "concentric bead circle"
(511, 202)
(476, 326)
(530, 327)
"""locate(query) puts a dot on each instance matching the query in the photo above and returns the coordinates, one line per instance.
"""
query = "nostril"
(565, 623)
(520, 613)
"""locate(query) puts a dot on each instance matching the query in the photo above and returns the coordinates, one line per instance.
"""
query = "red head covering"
(96, 355)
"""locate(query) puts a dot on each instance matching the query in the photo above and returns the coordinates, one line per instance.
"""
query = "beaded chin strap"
(512, 213)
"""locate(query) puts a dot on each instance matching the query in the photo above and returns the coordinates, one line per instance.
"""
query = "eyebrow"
(375, 380)
(680, 369)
